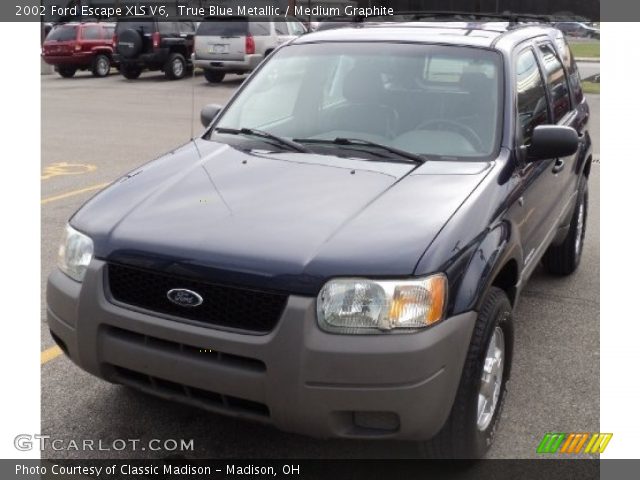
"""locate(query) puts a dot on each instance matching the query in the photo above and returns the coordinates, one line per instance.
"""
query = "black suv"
(154, 44)
(341, 252)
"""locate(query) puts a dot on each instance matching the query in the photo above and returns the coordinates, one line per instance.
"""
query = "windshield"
(63, 34)
(424, 99)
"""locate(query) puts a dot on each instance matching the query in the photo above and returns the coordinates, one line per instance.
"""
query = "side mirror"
(552, 141)
(208, 113)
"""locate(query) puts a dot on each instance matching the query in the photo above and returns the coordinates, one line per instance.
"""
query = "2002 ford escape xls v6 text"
(340, 253)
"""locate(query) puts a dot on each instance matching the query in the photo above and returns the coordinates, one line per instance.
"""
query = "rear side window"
(91, 33)
(572, 68)
(63, 34)
(557, 82)
(532, 100)
(234, 27)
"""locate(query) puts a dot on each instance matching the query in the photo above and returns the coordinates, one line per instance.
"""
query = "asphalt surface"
(102, 128)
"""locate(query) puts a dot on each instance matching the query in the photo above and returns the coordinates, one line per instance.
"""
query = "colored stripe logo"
(593, 443)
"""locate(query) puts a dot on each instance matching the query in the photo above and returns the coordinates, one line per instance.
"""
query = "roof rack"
(514, 19)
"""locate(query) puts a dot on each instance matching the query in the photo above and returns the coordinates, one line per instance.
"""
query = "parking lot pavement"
(94, 130)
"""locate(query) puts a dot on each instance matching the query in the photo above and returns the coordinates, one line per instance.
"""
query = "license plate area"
(219, 48)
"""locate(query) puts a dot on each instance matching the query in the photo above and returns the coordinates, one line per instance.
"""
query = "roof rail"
(514, 19)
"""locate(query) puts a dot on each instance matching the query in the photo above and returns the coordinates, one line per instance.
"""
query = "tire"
(66, 72)
(101, 65)
(130, 72)
(466, 434)
(564, 259)
(176, 67)
(214, 76)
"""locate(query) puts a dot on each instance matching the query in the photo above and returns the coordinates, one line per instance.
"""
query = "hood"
(284, 221)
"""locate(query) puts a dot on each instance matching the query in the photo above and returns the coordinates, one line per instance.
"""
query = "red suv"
(80, 46)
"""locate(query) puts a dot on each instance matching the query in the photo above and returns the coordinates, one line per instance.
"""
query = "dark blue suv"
(340, 253)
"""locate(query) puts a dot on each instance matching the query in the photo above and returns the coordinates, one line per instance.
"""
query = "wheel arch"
(495, 261)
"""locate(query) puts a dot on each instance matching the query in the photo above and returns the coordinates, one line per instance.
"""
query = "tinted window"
(144, 26)
(107, 32)
(91, 33)
(532, 102)
(224, 28)
(63, 34)
(260, 29)
(557, 82)
(281, 28)
(572, 68)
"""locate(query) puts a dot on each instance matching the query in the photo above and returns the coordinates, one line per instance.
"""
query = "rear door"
(90, 37)
(222, 38)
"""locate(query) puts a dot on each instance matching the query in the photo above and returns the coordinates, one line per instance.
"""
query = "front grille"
(222, 306)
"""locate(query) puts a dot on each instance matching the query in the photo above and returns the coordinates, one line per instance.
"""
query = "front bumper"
(297, 377)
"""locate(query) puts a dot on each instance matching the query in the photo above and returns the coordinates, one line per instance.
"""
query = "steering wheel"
(451, 125)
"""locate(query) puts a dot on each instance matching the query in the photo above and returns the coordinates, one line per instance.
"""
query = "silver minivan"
(237, 44)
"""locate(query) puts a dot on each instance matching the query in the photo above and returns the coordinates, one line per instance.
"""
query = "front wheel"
(563, 259)
(470, 429)
(101, 66)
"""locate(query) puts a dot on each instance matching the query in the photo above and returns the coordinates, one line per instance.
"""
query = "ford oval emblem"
(184, 297)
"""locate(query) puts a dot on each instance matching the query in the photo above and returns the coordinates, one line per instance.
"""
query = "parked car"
(578, 29)
(150, 43)
(237, 45)
(340, 254)
(80, 46)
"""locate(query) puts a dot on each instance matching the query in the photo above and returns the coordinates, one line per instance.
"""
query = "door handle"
(558, 167)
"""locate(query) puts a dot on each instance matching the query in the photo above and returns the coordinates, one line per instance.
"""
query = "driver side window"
(532, 100)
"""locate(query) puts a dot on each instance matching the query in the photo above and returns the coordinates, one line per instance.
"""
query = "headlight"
(74, 254)
(358, 305)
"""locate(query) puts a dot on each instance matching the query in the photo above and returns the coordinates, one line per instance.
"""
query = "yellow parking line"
(49, 354)
(73, 193)
(64, 168)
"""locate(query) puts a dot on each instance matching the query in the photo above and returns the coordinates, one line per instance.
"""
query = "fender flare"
(493, 251)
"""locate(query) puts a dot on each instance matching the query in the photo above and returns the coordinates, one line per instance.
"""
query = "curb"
(588, 59)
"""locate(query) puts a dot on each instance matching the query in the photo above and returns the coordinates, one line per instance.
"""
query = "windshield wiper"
(358, 141)
(261, 133)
